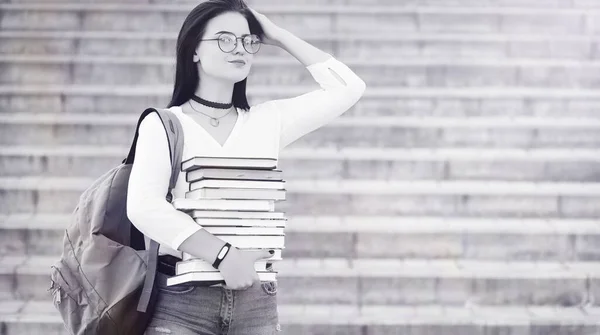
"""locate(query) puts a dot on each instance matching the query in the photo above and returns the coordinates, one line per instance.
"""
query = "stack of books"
(234, 199)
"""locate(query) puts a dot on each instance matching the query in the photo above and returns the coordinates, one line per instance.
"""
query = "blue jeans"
(191, 310)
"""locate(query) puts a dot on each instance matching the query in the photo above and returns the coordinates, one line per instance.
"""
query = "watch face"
(223, 251)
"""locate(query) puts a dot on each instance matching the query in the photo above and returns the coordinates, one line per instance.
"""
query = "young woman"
(215, 51)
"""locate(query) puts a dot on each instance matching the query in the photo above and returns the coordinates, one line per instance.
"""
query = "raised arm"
(340, 89)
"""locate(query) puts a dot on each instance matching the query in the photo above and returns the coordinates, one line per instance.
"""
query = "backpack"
(104, 280)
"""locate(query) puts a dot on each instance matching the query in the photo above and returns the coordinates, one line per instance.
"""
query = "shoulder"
(152, 126)
(261, 107)
(151, 121)
(264, 109)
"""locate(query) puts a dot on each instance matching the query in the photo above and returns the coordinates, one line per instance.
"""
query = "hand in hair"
(270, 29)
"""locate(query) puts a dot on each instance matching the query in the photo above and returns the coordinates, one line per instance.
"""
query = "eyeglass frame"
(236, 42)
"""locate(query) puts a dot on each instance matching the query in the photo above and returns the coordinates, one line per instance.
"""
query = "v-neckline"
(231, 133)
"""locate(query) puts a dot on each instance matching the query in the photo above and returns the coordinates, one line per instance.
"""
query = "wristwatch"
(222, 253)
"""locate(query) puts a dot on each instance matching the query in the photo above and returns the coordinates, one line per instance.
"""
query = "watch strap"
(221, 255)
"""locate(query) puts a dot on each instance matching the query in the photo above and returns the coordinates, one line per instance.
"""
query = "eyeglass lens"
(228, 42)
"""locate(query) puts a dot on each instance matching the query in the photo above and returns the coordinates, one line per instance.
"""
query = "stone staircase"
(459, 196)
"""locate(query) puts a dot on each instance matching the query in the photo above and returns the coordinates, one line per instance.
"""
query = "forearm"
(303, 51)
(202, 244)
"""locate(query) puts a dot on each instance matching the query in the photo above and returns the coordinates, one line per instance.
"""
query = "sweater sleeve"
(147, 206)
(340, 89)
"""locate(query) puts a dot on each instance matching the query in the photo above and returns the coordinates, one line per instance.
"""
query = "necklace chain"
(214, 121)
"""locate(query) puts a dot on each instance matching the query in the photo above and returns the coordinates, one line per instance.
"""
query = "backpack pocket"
(69, 297)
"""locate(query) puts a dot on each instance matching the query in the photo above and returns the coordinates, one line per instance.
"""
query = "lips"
(238, 61)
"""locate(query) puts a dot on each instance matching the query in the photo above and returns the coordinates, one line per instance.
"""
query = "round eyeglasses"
(228, 42)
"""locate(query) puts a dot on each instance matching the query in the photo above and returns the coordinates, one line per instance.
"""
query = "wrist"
(223, 252)
(278, 36)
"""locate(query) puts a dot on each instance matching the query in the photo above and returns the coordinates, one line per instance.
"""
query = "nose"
(239, 48)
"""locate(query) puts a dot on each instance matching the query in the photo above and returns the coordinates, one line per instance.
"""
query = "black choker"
(211, 103)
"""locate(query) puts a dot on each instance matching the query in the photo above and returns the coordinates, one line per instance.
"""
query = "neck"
(215, 90)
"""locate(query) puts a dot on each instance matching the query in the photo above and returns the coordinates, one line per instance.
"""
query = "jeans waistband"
(166, 264)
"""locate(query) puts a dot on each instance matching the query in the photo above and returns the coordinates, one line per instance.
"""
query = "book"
(197, 265)
(205, 222)
(234, 200)
(275, 257)
(237, 174)
(220, 204)
(245, 231)
(213, 279)
(236, 193)
(224, 183)
(238, 215)
(194, 163)
(254, 241)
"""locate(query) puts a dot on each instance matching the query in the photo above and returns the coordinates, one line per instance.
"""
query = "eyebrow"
(225, 31)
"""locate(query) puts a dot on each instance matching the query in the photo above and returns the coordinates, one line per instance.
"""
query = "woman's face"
(216, 63)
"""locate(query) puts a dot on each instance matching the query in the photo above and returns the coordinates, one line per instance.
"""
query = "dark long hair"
(192, 30)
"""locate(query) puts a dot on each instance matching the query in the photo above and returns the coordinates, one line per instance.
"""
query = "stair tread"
(307, 8)
(129, 119)
(375, 224)
(324, 36)
(44, 311)
(417, 61)
(376, 267)
(357, 186)
(372, 92)
(358, 153)
(312, 9)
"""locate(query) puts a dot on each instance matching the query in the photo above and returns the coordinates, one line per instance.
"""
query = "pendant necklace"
(213, 120)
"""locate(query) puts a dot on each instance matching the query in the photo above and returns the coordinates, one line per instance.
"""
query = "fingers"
(263, 254)
(245, 287)
(267, 253)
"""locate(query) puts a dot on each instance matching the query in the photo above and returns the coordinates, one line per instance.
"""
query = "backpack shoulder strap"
(174, 133)
(175, 138)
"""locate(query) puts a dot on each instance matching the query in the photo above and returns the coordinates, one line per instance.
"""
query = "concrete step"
(271, 71)
(41, 317)
(420, 3)
(364, 46)
(398, 237)
(343, 121)
(309, 18)
(358, 197)
(345, 163)
(385, 132)
(366, 281)
(524, 4)
(377, 101)
(464, 3)
(398, 132)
